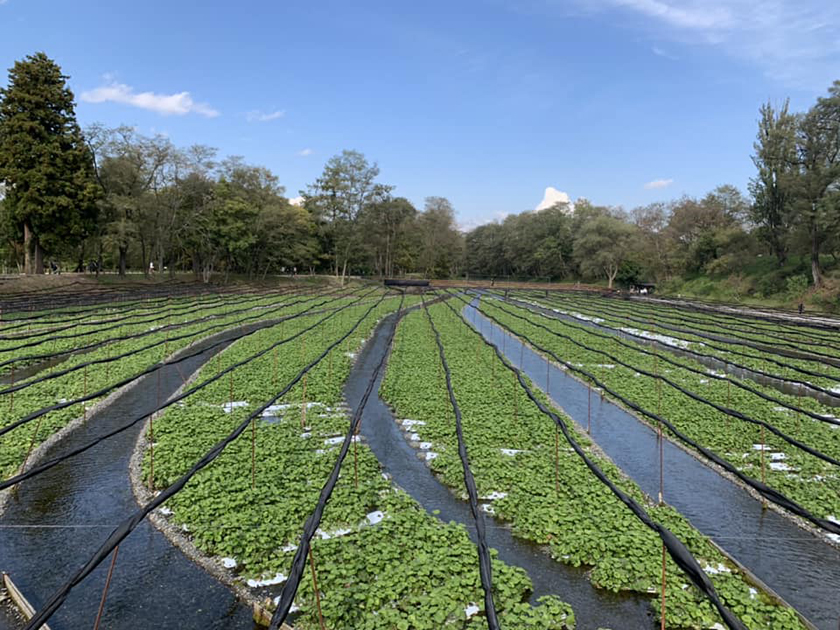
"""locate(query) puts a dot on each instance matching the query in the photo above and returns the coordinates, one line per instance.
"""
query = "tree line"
(112, 198)
(793, 211)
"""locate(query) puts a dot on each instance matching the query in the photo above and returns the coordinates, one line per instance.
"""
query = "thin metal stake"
(84, 402)
(355, 463)
(152, 453)
(763, 480)
(315, 587)
(105, 590)
(556, 459)
(31, 444)
(303, 407)
(253, 453)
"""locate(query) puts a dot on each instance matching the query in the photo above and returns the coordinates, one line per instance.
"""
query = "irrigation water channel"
(593, 608)
(580, 319)
(63, 515)
(797, 565)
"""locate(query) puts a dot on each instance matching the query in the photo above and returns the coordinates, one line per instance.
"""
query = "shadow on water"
(593, 608)
(800, 567)
(785, 387)
(63, 515)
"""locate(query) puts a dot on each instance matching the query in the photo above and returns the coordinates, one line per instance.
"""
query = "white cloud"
(656, 50)
(296, 201)
(703, 15)
(305, 152)
(178, 104)
(657, 184)
(258, 116)
(553, 196)
(792, 41)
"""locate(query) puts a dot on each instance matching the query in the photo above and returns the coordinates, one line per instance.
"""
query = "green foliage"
(14, 445)
(44, 162)
(796, 286)
(601, 245)
(407, 571)
(811, 482)
(579, 519)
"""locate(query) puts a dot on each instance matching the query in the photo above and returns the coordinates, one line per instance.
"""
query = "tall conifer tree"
(45, 164)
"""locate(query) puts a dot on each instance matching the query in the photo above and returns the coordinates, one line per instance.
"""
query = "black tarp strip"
(763, 489)
(675, 547)
(638, 347)
(754, 370)
(730, 412)
(485, 568)
(287, 594)
(264, 312)
(129, 524)
(35, 470)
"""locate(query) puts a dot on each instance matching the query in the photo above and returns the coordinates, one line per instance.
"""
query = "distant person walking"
(801, 308)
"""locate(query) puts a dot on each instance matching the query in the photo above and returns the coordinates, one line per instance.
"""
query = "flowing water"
(594, 608)
(797, 565)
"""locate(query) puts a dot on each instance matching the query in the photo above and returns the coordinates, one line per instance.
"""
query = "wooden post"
(105, 590)
(799, 404)
(315, 588)
(329, 363)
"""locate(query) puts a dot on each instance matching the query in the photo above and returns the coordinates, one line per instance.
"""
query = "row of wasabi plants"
(739, 328)
(382, 562)
(812, 482)
(79, 383)
(816, 371)
(543, 489)
(20, 348)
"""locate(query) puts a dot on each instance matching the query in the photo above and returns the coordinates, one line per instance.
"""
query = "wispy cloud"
(659, 52)
(657, 184)
(305, 152)
(792, 41)
(259, 116)
(702, 16)
(296, 201)
(178, 104)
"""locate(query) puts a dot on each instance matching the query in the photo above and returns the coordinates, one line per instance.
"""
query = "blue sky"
(486, 102)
